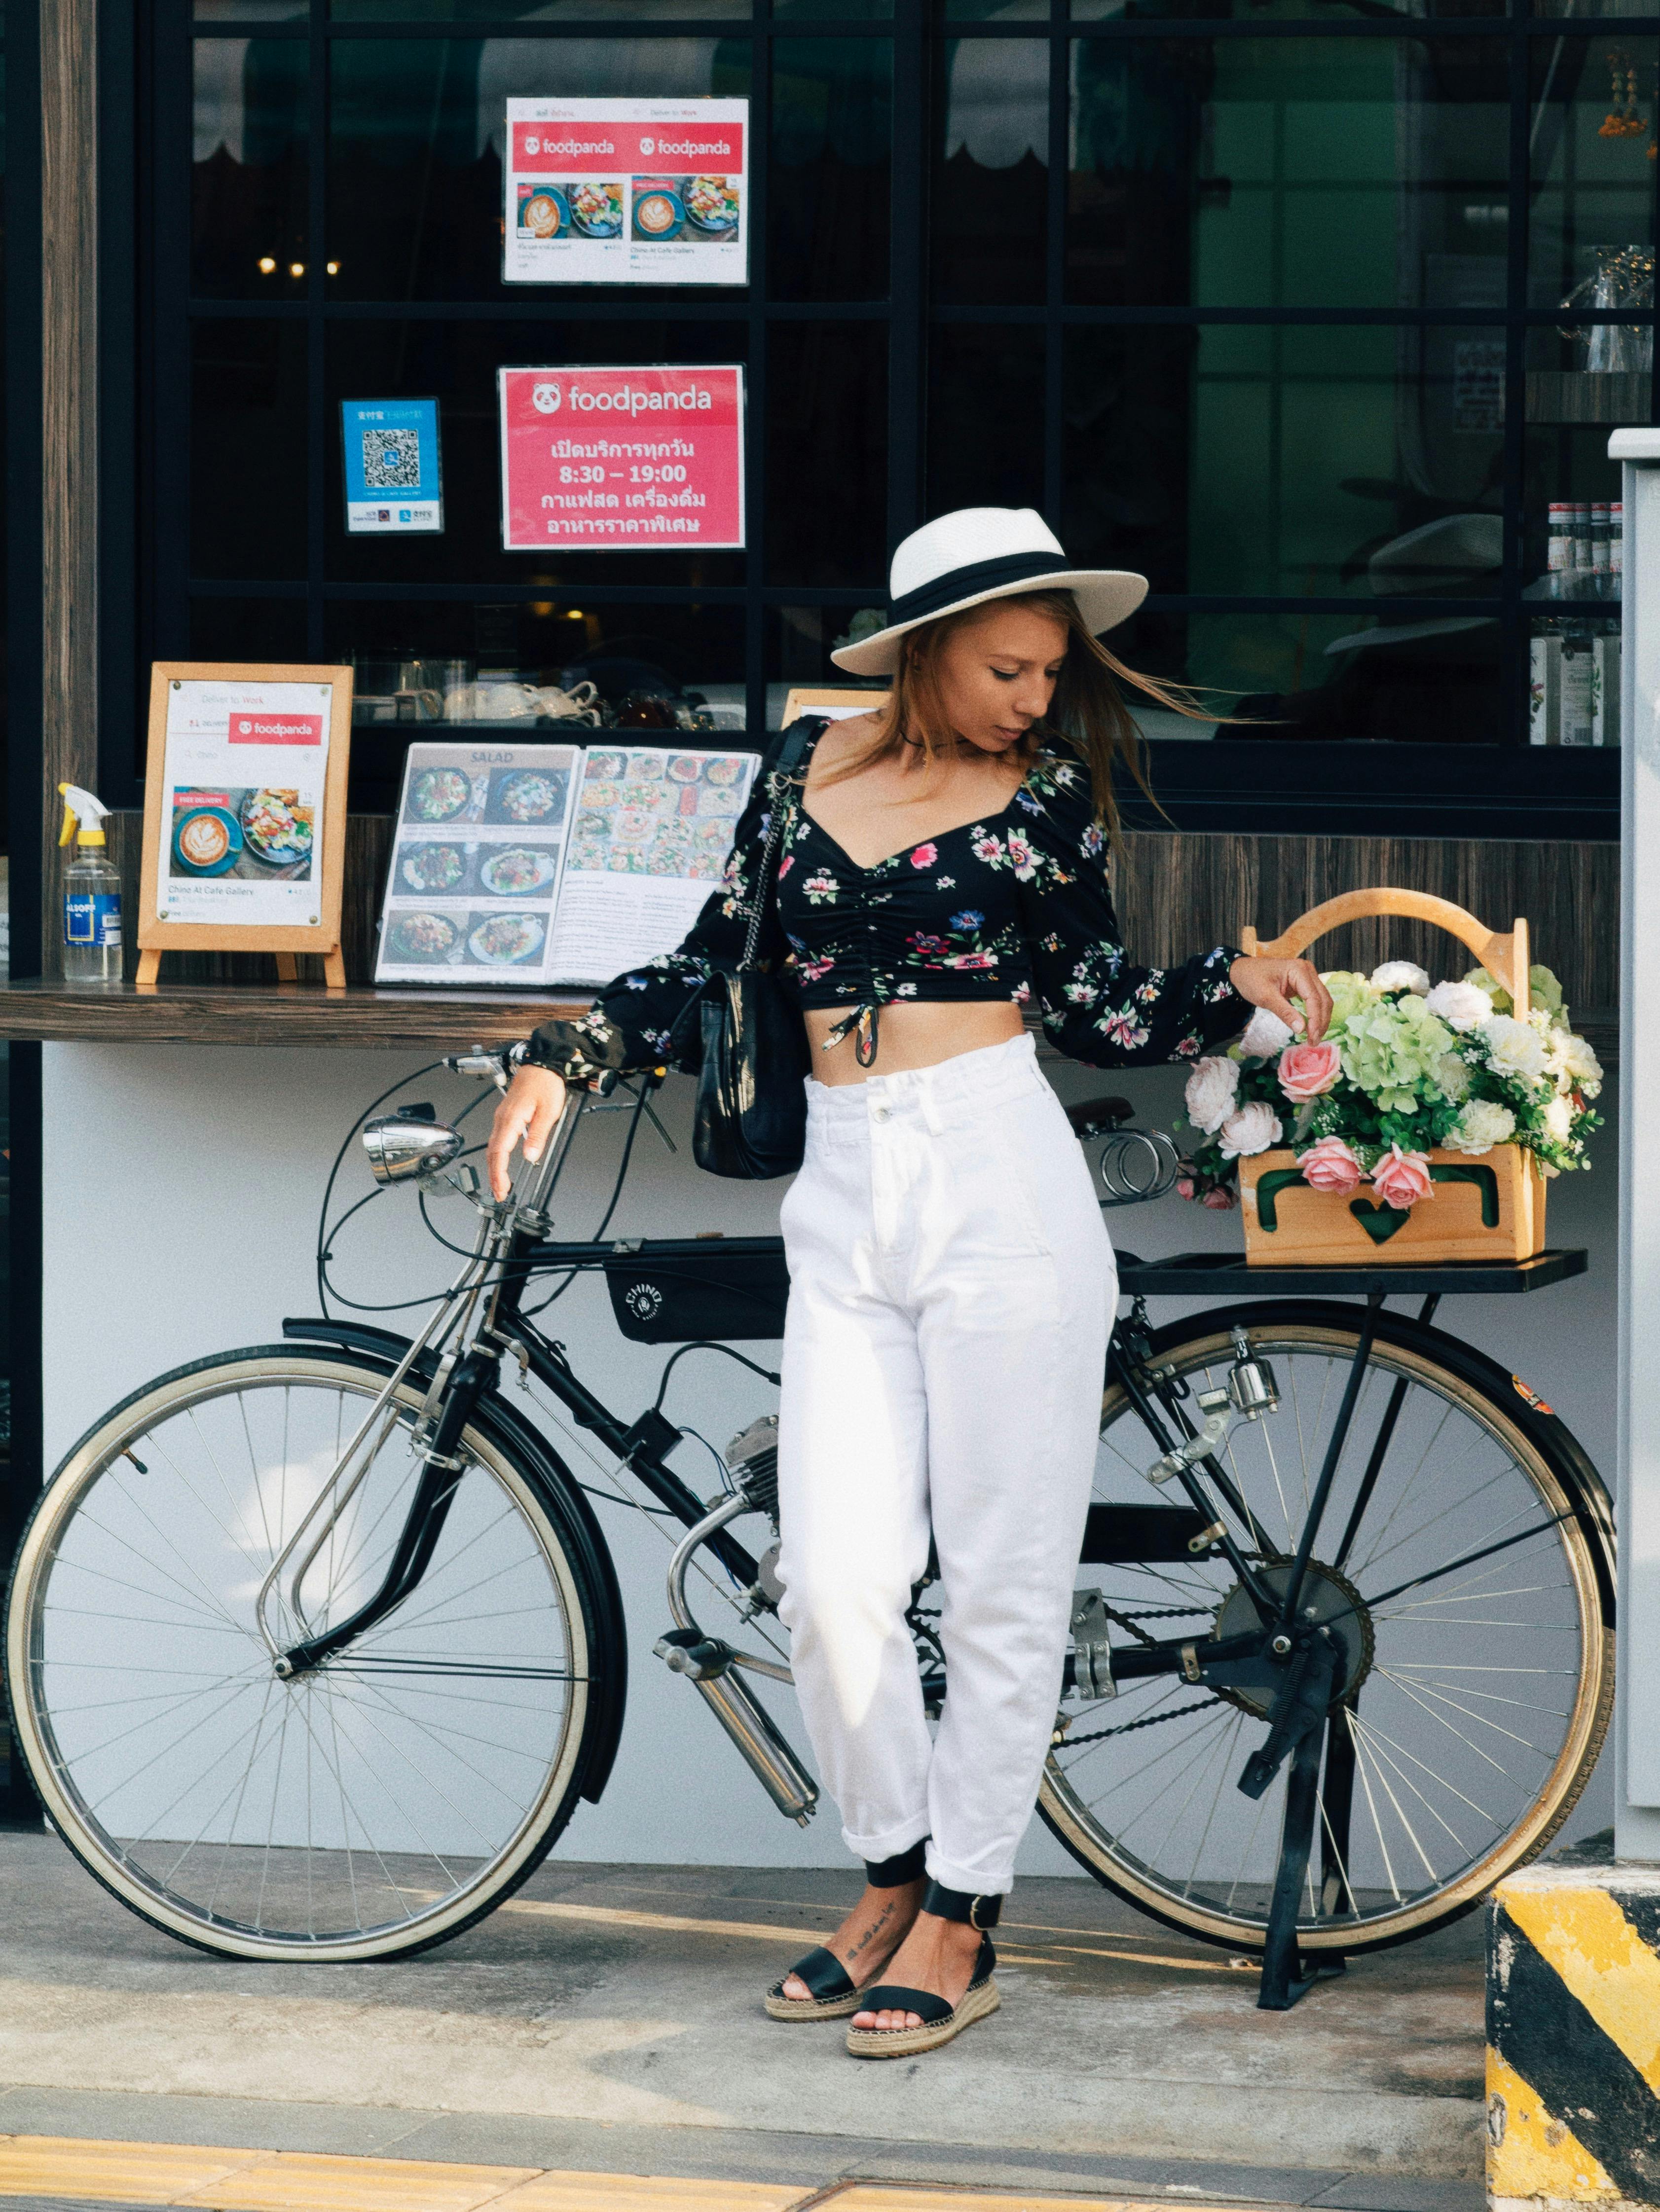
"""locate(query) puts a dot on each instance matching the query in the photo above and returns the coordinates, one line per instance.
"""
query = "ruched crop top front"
(1015, 907)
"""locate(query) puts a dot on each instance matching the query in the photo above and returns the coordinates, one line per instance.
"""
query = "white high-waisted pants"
(951, 1292)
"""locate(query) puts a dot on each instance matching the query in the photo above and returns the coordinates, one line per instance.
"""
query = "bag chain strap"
(788, 760)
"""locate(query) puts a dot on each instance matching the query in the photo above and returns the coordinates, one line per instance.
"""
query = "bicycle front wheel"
(1477, 1691)
(368, 1808)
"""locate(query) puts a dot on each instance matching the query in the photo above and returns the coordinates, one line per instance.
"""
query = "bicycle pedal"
(688, 1651)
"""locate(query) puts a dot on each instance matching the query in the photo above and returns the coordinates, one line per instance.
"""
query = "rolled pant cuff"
(951, 1874)
(887, 1843)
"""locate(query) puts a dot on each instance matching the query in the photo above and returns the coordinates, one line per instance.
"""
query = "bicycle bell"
(409, 1145)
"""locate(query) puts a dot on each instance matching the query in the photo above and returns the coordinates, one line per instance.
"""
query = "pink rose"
(1401, 1179)
(1330, 1165)
(1309, 1071)
(925, 856)
(1185, 1186)
(1219, 1199)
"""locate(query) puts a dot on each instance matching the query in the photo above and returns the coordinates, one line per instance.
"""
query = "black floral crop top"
(1015, 907)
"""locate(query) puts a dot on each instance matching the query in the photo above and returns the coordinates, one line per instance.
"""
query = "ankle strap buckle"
(975, 1921)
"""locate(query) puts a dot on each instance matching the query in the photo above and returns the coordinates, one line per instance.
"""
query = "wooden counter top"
(272, 1014)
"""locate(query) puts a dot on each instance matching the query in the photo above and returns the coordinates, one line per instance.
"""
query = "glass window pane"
(248, 11)
(685, 655)
(541, 11)
(827, 452)
(1288, 172)
(247, 630)
(800, 642)
(1270, 11)
(982, 375)
(1572, 407)
(1591, 128)
(830, 178)
(415, 145)
(248, 463)
(248, 172)
(1287, 462)
(455, 363)
(869, 11)
(989, 209)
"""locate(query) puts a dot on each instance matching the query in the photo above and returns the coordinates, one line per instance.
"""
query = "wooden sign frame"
(848, 700)
(287, 941)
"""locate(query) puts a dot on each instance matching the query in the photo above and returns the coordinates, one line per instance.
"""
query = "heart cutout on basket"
(1379, 1222)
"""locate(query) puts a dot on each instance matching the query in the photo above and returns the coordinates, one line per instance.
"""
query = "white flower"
(1460, 1005)
(1482, 1125)
(1400, 975)
(1514, 1048)
(1211, 1089)
(1558, 1118)
(1576, 1058)
(1249, 1128)
(1452, 1074)
(1265, 1036)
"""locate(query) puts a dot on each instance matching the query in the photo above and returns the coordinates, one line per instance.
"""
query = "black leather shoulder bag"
(751, 1117)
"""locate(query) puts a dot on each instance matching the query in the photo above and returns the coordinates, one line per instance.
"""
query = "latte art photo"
(1407, 1069)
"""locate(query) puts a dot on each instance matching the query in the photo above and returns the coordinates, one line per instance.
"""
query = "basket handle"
(1506, 958)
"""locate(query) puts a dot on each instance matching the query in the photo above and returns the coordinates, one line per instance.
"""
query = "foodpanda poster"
(620, 457)
(626, 191)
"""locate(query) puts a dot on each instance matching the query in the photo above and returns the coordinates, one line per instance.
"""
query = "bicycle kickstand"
(1286, 1975)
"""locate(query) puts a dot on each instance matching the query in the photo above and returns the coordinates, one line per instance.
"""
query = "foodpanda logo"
(545, 399)
(533, 145)
(643, 1300)
(244, 729)
(647, 145)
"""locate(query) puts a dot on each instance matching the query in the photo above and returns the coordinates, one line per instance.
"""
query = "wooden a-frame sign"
(231, 690)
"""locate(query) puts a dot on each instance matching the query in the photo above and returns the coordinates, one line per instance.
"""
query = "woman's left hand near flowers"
(1275, 983)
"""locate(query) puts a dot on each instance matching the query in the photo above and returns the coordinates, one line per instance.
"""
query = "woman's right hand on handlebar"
(528, 1113)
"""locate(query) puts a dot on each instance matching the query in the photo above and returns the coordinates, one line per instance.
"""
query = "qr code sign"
(391, 459)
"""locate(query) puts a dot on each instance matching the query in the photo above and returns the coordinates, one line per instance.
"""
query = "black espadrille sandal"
(941, 2022)
(834, 1995)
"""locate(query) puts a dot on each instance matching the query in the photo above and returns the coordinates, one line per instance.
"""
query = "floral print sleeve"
(648, 1018)
(1096, 1006)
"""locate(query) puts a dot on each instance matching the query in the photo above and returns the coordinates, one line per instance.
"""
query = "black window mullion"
(1055, 278)
(317, 170)
(755, 381)
(1514, 673)
(169, 258)
(907, 271)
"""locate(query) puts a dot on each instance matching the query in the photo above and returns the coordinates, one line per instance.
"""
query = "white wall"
(181, 1192)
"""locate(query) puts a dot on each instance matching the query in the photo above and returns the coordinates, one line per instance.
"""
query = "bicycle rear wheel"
(1478, 1695)
(373, 1806)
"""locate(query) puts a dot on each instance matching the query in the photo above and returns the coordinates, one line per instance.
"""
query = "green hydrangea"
(1390, 1049)
(1542, 987)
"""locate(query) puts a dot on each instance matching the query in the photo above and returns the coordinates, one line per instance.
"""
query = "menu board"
(245, 766)
(626, 191)
(475, 865)
(610, 458)
(652, 826)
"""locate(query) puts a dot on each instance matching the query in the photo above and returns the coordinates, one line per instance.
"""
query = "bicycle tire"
(552, 1534)
(1541, 1453)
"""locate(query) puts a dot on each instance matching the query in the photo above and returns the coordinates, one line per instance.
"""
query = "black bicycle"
(315, 1646)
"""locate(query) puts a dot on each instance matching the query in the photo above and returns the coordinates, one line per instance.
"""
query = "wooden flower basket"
(1491, 1207)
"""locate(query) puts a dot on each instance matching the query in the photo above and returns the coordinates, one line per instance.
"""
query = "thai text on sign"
(626, 191)
(622, 457)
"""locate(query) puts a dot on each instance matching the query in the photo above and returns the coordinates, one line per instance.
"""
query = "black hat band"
(932, 599)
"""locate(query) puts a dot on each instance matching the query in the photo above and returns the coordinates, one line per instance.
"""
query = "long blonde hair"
(1087, 713)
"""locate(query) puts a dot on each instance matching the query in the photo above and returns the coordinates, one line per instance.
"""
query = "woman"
(942, 864)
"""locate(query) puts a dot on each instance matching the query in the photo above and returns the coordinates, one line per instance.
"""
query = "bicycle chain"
(1129, 1728)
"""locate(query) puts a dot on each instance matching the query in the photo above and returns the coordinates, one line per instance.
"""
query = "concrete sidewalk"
(608, 2020)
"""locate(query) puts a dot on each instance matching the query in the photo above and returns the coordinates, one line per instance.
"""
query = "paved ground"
(608, 2019)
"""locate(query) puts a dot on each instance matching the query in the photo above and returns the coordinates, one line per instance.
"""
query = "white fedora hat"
(985, 553)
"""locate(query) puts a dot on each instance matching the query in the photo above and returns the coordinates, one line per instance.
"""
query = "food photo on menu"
(475, 865)
(265, 833)
(704, 207)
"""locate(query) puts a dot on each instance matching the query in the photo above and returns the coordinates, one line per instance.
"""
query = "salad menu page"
(245, 770)
(653, 827)
(482, 831)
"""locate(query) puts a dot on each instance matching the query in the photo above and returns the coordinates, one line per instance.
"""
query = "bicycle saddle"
(1093, 1117)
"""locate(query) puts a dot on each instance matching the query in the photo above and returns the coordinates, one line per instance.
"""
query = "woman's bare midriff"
(916, 1033)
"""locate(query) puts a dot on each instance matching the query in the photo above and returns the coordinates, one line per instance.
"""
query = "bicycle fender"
(566, 1502)
(1593, 1507)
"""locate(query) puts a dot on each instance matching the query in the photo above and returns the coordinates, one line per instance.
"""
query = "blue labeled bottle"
(91, 893)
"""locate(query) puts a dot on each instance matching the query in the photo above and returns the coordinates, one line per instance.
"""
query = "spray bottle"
(92, 894)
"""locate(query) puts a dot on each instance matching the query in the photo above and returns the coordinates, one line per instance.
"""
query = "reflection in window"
(248, 177)
(1287, 172)
(830, 209)
(1591, 134)
(990, 197)
(826, 448)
